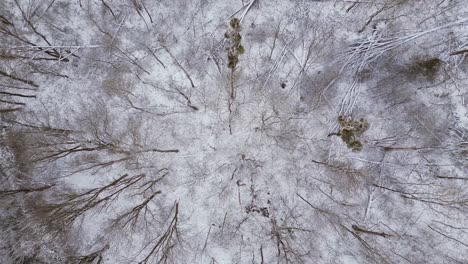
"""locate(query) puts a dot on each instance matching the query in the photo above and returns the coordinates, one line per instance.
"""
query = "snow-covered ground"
(202, 131)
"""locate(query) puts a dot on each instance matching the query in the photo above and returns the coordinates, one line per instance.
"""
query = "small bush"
(350, 129)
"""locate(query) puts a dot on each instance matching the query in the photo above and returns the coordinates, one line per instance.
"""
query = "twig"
(180, 66)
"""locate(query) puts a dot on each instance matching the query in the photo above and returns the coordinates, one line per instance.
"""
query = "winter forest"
(222, 132)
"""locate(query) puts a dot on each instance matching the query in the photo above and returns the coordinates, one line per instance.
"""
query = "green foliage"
(355, 146)
(350, 130)
(235, 23)
(233, 59)
(241, 49)
(347, 135)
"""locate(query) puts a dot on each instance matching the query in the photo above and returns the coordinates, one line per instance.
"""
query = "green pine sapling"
(235, 49)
